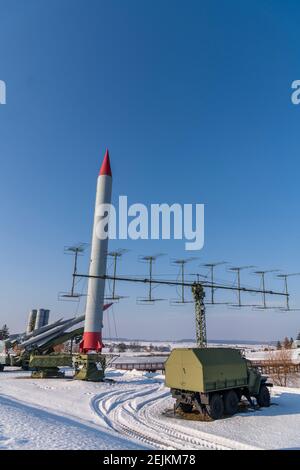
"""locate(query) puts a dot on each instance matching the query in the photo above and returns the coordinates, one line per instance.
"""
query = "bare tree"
(122, 347)
(4, 332)
(279, 363)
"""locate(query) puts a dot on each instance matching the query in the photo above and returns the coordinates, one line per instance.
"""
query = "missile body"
(40, 319)
(92, 337)
(31, 321)
(46, 333)
(46, 317)
(42, 329)
(55, 330)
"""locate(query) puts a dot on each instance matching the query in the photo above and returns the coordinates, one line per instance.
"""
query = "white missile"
(31, 321)
(44, 328)
(92, 337)
(54, 330)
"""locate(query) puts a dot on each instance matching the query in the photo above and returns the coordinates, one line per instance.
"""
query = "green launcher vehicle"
(214, 380)
(3, 355)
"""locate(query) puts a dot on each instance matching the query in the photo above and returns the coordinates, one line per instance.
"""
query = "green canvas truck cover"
(205, 369)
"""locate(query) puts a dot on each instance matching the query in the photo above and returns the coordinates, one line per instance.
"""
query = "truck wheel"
(186, 407)
(263, 398)
(1, 367)
(231, 402)
(215, 409)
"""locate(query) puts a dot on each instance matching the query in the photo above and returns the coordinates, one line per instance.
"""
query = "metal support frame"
(87, 367)
(199, 294)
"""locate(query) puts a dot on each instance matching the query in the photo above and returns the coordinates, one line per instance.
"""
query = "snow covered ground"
(133, 412)
(52, 414)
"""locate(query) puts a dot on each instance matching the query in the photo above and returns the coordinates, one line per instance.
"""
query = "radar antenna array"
(240, 289)
(197, 291)
(197, 287)
(262, 275)
(150, 260)
(211, 267)
(75, 251)
(181, 263)
(115, 255)
(285, 277)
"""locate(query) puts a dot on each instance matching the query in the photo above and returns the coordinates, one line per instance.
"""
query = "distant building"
(164, 349)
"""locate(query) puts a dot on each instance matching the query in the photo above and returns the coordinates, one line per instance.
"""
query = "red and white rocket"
(92, 336)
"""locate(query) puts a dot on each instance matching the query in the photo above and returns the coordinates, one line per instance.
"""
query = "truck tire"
(215, 409)
(1, 367)
(263, 398)
(186, 407)
(231, 402)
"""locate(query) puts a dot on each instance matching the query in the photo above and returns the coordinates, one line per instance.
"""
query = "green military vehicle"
(3, 355)
(8, 359)
(213, 380)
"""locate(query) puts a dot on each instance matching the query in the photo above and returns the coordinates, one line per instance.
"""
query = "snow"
(130, 359)
(26, 427)
(52, 414)
(276, 427)
(132, 412)
(264, 355)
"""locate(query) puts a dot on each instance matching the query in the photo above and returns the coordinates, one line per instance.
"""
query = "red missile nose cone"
(105, 167)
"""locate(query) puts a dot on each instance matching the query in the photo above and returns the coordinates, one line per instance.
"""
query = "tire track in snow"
(137, 415)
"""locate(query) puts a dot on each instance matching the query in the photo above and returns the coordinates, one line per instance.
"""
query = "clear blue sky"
(193, 101)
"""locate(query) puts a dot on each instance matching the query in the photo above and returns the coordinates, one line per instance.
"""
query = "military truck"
(213, 380)
(3, 355)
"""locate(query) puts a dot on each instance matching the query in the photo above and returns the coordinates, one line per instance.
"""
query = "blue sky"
(193, 101)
